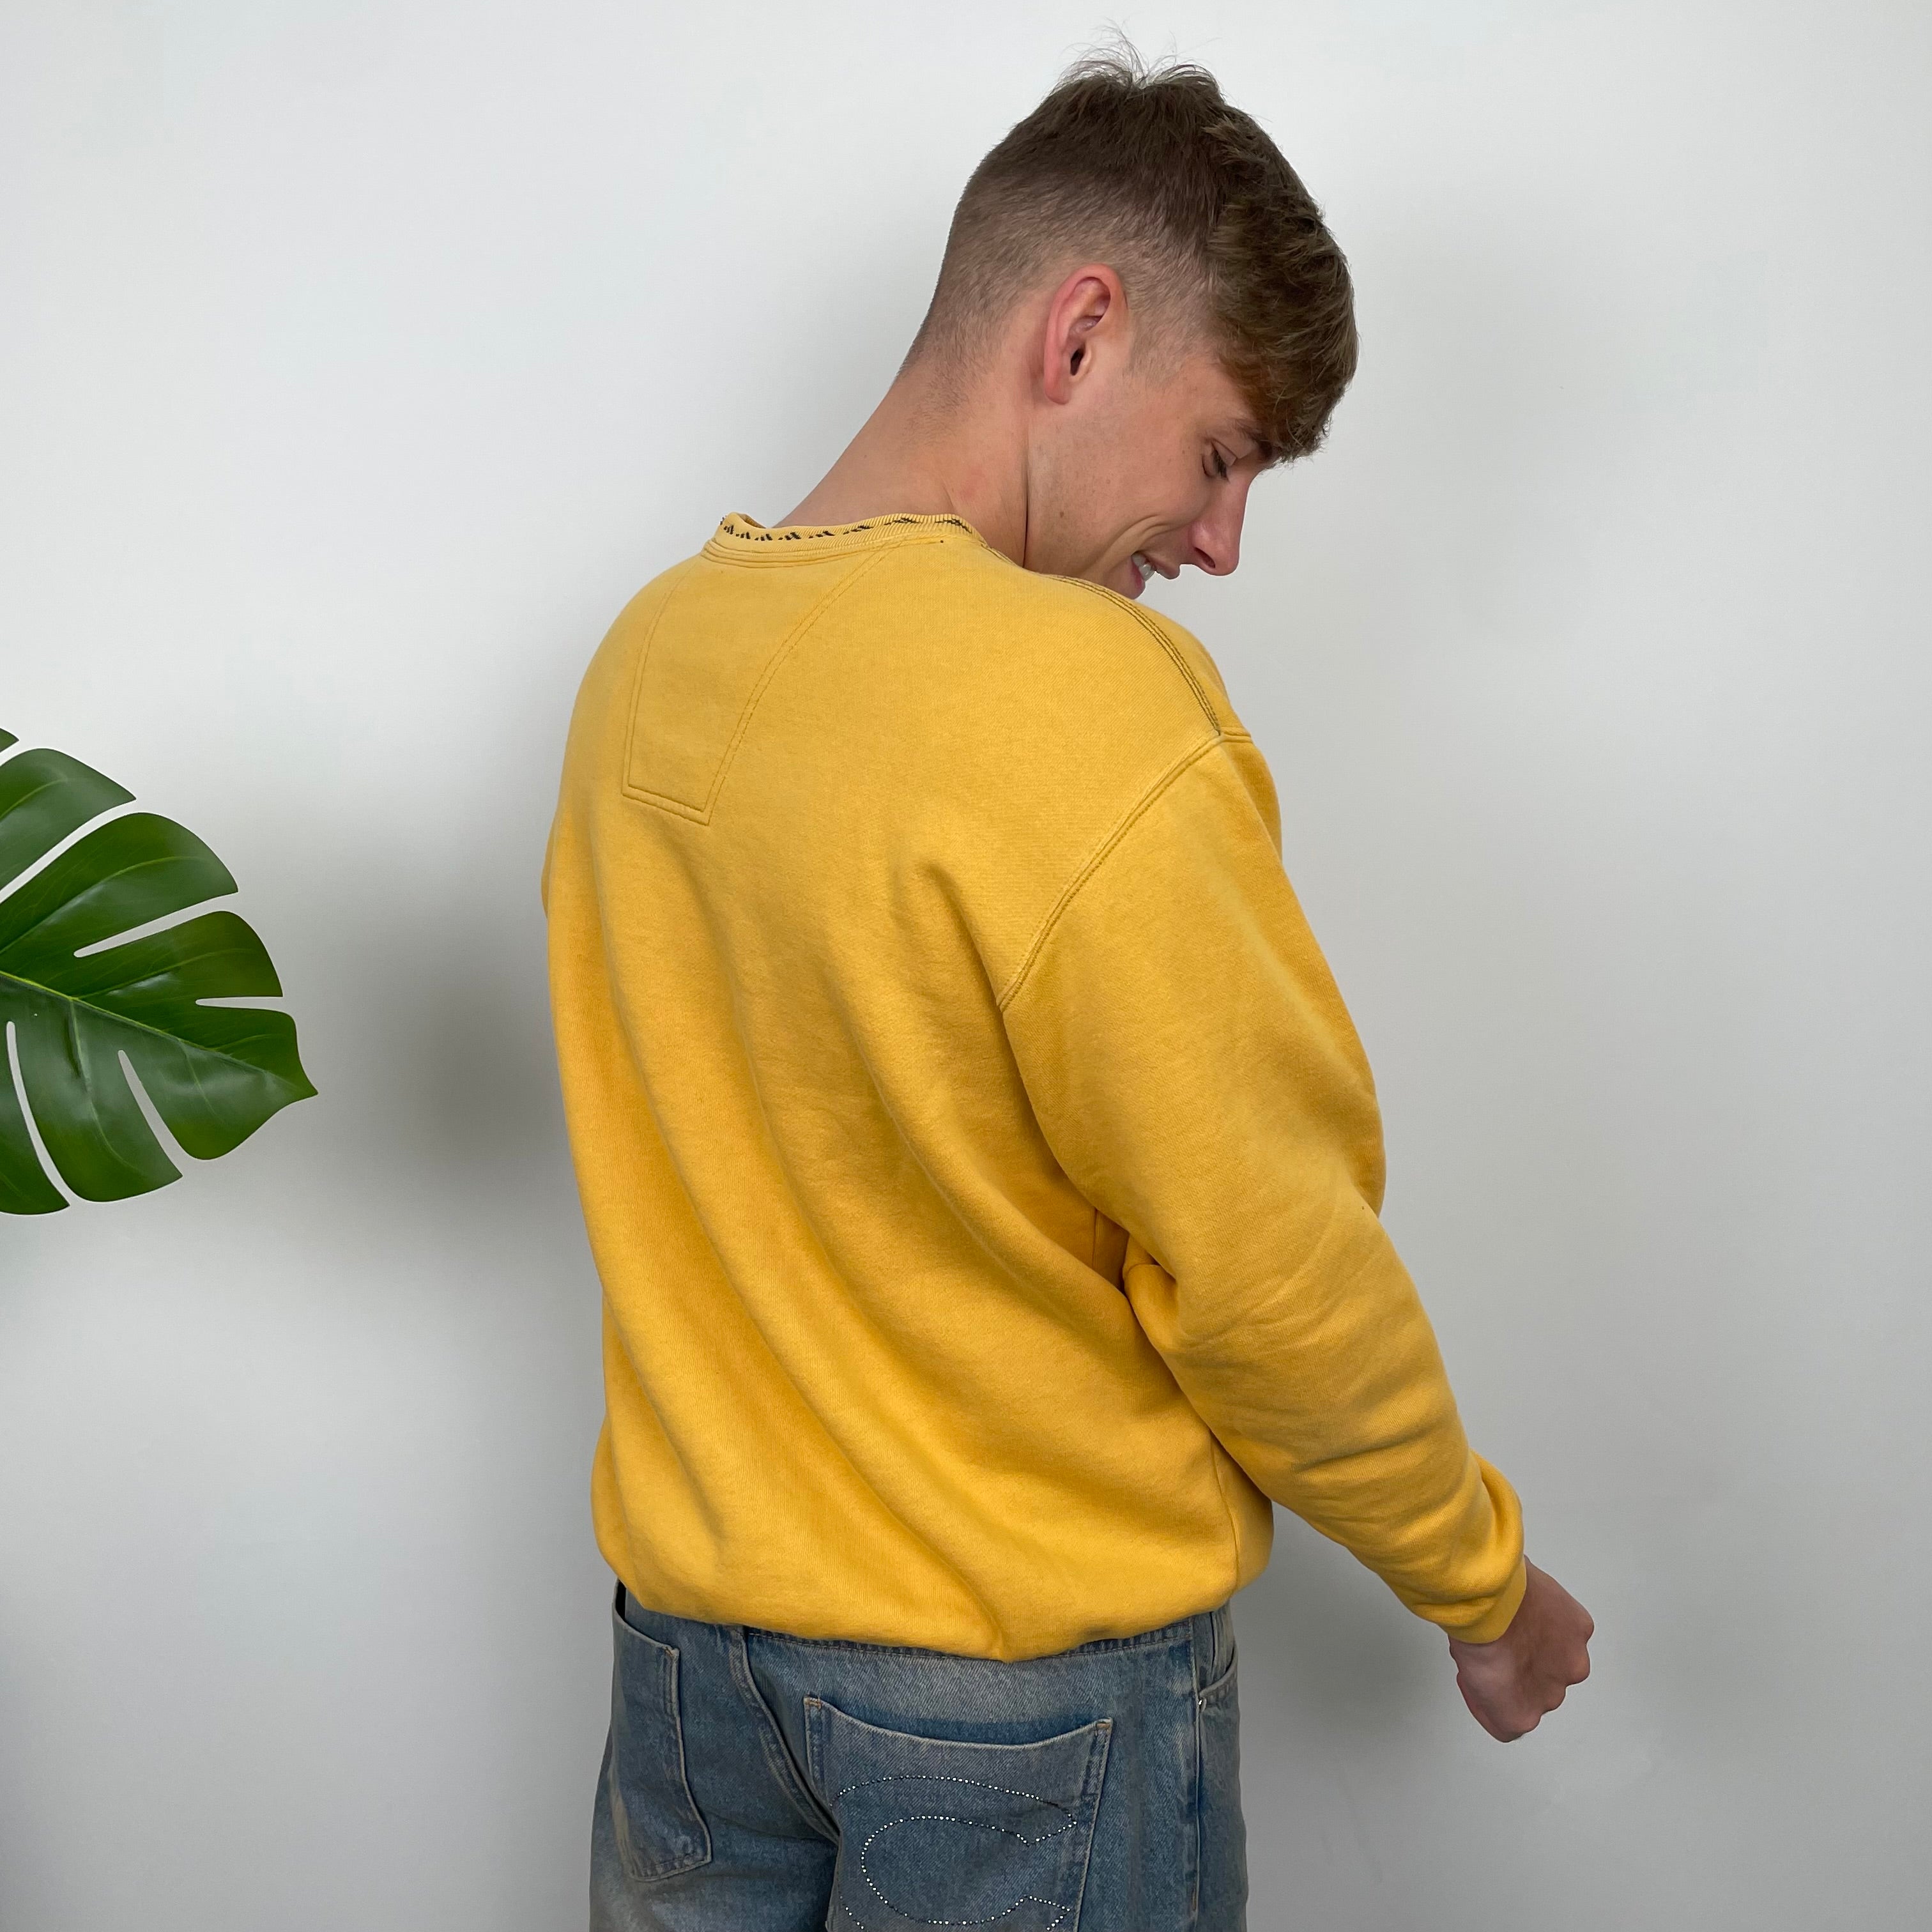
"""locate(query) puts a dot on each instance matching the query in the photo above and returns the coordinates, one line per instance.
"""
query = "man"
(980, 1163)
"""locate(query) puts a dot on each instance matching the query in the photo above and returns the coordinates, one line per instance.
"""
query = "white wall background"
(361, 359)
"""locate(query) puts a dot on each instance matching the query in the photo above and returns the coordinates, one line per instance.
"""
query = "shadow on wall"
(430, 1011)
(483, 1072)
(1322, 1639)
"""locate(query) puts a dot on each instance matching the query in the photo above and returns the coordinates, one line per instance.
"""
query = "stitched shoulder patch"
(720, 636)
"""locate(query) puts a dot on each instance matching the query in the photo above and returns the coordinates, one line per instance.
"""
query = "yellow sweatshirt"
(981, 1165)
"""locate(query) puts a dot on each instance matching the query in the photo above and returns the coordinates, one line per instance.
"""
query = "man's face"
(1152, 473)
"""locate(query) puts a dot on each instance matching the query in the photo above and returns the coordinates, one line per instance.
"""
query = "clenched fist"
(1509, 1684)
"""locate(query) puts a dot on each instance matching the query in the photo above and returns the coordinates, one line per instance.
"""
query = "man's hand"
(1510, 1684)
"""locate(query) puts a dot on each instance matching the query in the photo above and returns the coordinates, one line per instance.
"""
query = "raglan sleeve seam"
(1095, 860)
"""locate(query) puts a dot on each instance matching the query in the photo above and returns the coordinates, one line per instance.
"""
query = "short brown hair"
(1191, 203)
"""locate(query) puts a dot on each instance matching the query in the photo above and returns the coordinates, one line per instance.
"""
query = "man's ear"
(1086, 320)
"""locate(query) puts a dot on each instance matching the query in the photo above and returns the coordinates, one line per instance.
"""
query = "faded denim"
(754, 1782)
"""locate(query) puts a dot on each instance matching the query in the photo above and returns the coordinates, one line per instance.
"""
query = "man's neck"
(923, 455)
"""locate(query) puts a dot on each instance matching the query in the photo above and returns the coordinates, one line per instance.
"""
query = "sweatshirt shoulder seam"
(1147, 799)
(1161, 638)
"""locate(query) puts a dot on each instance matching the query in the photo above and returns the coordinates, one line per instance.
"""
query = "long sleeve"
(1196, 1074)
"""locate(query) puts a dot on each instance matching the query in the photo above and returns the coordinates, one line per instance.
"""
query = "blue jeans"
(758, 1782)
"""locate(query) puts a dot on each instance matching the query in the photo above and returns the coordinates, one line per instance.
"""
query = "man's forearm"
(1330, 1390)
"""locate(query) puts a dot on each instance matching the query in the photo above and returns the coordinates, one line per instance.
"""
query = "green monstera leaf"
(73, 1001)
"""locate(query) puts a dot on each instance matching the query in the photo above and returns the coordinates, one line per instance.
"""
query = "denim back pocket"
(932, 1832)
(657, 1827)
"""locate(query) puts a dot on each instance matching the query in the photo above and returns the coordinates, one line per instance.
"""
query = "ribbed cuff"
(1500, 1614)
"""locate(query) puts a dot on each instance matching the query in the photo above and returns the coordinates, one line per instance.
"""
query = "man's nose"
(1216, 538)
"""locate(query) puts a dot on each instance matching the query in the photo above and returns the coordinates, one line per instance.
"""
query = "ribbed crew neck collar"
(739, 535)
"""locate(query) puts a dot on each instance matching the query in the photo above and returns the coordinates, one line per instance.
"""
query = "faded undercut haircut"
(1148, 169)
